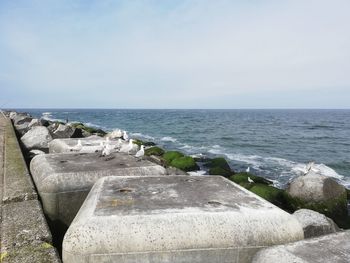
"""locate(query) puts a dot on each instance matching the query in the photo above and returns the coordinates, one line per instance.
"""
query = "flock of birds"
(124, 145)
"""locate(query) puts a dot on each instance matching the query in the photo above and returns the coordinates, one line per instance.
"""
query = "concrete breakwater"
(231, 223)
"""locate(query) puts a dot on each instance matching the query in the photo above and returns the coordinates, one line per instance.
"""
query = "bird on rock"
(77, 147)
(309, 167)
(250, 180)
(127, 148)
(140, 153)
(125, 136)
(107, 150)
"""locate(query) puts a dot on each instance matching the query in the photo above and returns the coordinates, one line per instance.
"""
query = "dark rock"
(315, 224)
(171, 155)
(63, 131)
(154, 151)
(219, 166)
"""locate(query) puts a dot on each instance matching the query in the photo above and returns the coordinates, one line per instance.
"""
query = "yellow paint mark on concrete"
(3, 255)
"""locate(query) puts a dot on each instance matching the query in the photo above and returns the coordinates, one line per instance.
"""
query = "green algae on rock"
(171, 155)
(219, 166)
(154, 151)
(185, 163)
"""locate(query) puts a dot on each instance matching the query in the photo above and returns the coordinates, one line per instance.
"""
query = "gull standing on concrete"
(140, 153)
(127, 148)
(77, 147)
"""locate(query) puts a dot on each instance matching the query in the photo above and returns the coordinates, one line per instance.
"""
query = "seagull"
(107, 150)
(308, 167)
(125, 136)
(127, 148)
(140, 153)
(250, 180)
(248, 169)
(77, 147)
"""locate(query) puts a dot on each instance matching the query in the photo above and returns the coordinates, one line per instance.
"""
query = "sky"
(175, 54)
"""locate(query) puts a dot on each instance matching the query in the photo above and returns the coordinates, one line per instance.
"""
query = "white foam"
(168, 139)
(141, 135)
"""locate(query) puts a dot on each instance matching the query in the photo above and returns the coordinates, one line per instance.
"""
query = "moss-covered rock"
(185, 163)
(154, 151)
(243, 178)
(219, 166)
(171, 155)
(269, 193)
(335, 209)
(86, 130)
(140, 142)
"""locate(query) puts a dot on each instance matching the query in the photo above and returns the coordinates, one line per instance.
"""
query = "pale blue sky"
(175, 54)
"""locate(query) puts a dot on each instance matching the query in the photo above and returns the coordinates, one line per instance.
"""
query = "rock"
(154, 151)
(45, 122)
(171, 155)
(219, 166)
(21, 118)
(116, 134)
(319, 193)
(21, 129)
(37, 138)
(63, 131)
(34, 122)
(88, 131)
(53, 126)
(34, 153)
(269, 193)
(242, 179)
(315, 224)
(185, 163)
(12, 115)
(329, 248)
(175, 171)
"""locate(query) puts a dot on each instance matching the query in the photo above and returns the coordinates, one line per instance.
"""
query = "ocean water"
(275, 144)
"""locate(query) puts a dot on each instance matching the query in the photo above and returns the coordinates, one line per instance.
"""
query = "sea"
(275, 144)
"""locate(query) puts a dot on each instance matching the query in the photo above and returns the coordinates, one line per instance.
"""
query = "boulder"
(22, 128)
(21, 118)
(315, 224)
(45, 122)
(34, 122)
(37, 138)
(12, 115)
(154, 151)
(63, 131)
(116, 134)
(34, 153)
(171, 155)
(185, 163)
(219, 166)
(319, 193)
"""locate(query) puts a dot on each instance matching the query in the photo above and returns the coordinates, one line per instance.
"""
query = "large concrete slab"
(64, 180)
(333, 248)
(174, 219)
(90, 144)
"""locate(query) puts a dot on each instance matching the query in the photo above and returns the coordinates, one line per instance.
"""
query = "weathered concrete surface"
(333, 248)
(174, 219)
(315, 224)
(18, 185)
(24, 236)
(64, 180)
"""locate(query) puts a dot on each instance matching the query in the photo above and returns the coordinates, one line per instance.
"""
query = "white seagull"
(127, 148)
(107, 150)
(140, 153)
(77, 147)
(250, 180)
(248, 169)
(309, 167)
(125, 136)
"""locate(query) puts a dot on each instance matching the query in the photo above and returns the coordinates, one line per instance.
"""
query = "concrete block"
(25, 236)
(18, 185)
(174, 219)
(330, 248)
(64, 180)
(90, 144)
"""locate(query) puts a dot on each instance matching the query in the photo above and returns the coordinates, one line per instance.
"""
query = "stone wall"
(25, 236)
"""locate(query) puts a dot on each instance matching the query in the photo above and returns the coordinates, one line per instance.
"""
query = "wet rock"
(154, 151)
(185, 163)
(315, 224)
(219, 166)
